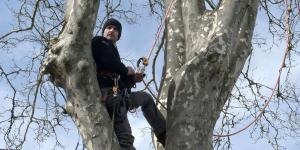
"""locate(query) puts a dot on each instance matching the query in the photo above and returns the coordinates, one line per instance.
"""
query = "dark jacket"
(107, 59)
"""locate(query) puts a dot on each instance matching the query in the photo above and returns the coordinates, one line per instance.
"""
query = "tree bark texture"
(71, 67)
(205, 53)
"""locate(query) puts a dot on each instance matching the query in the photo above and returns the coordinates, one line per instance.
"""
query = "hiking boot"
(161, 138)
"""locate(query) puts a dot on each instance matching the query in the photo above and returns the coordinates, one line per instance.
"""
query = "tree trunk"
(71, 67)
(206, 51)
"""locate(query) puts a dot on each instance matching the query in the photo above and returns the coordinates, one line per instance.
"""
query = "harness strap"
(113, 76)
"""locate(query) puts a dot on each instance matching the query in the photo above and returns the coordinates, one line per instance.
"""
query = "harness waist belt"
(107, 74)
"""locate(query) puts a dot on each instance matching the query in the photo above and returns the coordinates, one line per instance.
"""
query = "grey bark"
(71, 67)
(206, 51)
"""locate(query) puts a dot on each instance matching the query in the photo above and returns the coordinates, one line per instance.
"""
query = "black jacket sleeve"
(107, 56)
(127, 82)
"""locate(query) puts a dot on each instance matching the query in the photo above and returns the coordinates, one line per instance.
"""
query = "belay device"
(141, 69)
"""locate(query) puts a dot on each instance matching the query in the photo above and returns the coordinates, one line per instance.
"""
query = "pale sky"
(135, 41)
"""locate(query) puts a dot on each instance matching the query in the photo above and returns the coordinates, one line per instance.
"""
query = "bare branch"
(31, 25)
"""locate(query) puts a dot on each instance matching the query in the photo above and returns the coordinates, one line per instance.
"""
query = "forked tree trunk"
(71, 67)
(205, 53)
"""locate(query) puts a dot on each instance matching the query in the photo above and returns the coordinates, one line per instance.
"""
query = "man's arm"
(131, 80)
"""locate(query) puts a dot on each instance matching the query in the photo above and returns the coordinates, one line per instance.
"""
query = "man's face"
(111, 33)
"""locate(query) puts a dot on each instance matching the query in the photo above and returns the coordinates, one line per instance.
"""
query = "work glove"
(130, 71)
(138, 77)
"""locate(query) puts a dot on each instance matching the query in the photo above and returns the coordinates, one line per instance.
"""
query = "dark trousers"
(152, 114)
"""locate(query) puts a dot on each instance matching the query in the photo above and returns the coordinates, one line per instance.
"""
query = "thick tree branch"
(69, 65)
(230, 14)
(175, 41)
(201, 86)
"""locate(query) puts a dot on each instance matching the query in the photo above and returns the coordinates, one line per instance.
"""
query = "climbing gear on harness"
(117, 106)
(116, 86)
(113, 76)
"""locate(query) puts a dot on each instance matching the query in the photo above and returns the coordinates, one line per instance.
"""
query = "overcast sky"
(135, 41)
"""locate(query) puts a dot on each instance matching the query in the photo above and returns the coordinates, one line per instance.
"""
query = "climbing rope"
(160, 28)
(266, 104)
(140, 68)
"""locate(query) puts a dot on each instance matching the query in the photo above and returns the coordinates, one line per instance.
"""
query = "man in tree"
(115, 81)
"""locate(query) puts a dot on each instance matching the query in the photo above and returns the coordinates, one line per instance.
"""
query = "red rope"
(298, 8)
(278, 76)
(160, 29)
(288, 34)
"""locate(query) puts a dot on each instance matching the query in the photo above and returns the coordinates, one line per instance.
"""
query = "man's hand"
(138, 77)
(130, 71)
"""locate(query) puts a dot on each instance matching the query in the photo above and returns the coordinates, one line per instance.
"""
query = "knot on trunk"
(53, 65)
(69, 108)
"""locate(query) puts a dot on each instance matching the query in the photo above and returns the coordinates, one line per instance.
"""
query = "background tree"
(209, 41)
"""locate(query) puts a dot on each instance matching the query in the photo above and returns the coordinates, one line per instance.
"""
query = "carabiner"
(141, 69)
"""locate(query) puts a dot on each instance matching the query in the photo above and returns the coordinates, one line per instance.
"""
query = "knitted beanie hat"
(114, 22)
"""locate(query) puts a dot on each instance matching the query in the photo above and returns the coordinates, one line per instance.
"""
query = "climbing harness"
(116, 85)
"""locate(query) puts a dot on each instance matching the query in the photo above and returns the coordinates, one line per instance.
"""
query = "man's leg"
(151, 113)
(121, 125)
(124, 135)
